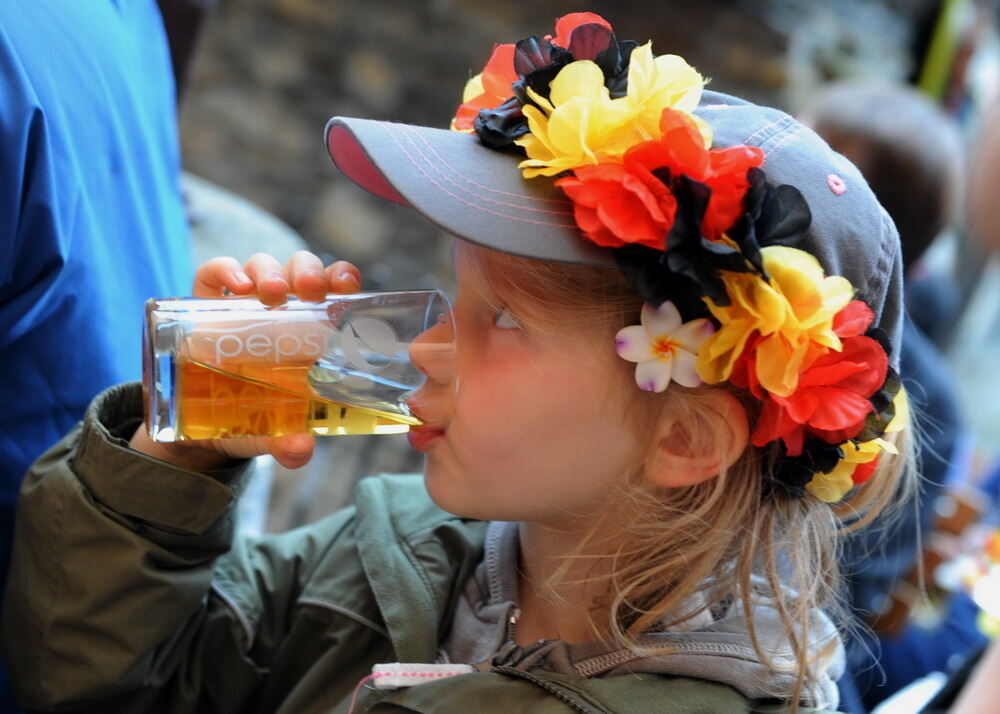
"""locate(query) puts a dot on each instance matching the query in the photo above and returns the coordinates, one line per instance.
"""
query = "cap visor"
(455, 182)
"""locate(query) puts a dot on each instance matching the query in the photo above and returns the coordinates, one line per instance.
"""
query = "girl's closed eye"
(505, 319)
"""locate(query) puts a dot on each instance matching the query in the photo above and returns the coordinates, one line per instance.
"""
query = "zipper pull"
(512, 618)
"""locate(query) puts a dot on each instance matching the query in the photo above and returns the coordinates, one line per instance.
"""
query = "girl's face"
(536, 429)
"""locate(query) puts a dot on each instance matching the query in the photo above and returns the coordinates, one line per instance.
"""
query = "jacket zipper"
(554, 689)
(602, 663)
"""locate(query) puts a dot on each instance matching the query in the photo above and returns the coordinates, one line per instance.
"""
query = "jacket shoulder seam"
(242, 617)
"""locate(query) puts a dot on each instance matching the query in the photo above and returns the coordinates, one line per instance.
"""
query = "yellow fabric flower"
(832, 486)
(793, 312)
(580, 124)
(901, 417)
(899, 421)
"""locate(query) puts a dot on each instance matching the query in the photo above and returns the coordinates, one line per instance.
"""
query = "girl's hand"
(303, 276)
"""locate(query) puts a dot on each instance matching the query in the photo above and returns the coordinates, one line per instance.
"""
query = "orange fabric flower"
(614, 207)
(487, 89)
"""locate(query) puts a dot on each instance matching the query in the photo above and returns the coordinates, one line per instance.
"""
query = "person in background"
(91, 217)
(910, 154)
(183, 21)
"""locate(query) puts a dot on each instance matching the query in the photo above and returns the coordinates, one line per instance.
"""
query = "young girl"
(673, 381)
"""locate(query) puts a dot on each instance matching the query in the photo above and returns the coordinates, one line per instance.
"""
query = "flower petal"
(567, 23)
(582, 79)
(685, 372)
(853, 319)
(499, 74)
(831, 487)
(839, 409)
(691, 335)
(632, 343)
(473, 88)
(654, 375)
(660, 321)
(902, 403)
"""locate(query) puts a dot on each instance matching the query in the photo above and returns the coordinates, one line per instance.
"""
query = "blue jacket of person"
(91, 216)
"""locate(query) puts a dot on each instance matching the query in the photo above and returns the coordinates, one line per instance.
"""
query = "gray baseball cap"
(479, 195)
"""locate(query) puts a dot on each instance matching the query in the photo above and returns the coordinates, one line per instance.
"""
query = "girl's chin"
(448, 495)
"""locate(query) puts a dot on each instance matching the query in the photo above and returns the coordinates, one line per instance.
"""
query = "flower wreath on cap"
(706, 241)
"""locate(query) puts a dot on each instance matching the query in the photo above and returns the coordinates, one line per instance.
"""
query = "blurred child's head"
(908, 150)
(685, 357)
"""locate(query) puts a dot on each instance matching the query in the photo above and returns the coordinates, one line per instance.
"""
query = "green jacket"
(128, 593)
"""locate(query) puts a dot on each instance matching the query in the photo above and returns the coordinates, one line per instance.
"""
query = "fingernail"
(241, 278)
(299, 446)
(349, 278)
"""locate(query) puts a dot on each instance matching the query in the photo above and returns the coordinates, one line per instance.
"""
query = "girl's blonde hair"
(730, 539)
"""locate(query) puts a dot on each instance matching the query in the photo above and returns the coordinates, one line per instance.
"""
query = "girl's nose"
(433, 353)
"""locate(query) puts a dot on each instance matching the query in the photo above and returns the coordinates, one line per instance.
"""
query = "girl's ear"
(684, 454)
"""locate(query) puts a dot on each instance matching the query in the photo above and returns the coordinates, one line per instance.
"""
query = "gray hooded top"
(714, 645)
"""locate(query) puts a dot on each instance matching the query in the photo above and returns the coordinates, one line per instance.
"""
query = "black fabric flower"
(790, 474)
(689, 253)
(885, 409)
(691, 263)
(775, 215)
(498, 128)
(656, 283)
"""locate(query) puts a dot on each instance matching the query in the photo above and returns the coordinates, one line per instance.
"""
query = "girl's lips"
(422, 438)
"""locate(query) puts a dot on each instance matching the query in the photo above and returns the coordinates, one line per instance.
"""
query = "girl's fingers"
(217, 275)
(292, 450)
(266, 273)
(304, 273)
(343, 277)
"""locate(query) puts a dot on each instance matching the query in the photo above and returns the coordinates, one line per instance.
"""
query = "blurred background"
(267, 74)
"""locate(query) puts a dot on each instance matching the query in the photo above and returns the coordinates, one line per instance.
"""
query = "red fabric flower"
(744, 373)
(832, 400)
(618, 204)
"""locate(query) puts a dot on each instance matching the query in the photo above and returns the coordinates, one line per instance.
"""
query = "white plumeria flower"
(664, 347)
